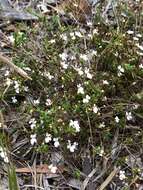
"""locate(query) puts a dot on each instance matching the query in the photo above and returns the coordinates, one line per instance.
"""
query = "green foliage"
(13, 184)
(86, 86)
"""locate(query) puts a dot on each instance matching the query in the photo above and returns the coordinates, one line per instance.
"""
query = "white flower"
(48, 138)
(14, 100)
(26, 89)
(50, 77)
(141, 66)
(95, 31)
(52, 41)
(120, 70)
(101, 125)
(6, 160)
(33, 139)
(53, 169)
(11, 39)
(80, 89)
(48, 102)
(6, 73)
(73, 57)
(89, 23)
(135, 106)
(93, 52)
(64, 65)
(16, 87)
(8, 82)
(86, 99)
(79, 70)
(105, 82)
(84, 57)
(78, 34)
(129, 116)
(140, 53)
(63, 56)
(42, 7)
(122, 175)
(3, 155)
(116, 54)
(75, 125)
(88, 74)
(104, 98)
(130, 32)
(89, 35)
(72, 147)
(140, 47)
(36, 102)
(95, 108)
(117, 119)
(32, 123)
(101, 152)
(138, 35)
(64, 37)
(56, 142)
(72, 36)
(135, 38)
(75, 5)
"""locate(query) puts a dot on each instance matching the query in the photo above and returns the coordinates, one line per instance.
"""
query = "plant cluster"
(86, 89)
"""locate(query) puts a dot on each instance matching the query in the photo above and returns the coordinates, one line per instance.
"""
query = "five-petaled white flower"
(75, 125)
(63, 56)
(105, 82)
(14, 100)
(53, 168)
(86, 99)
(56, 142)
(95, 108)
(84, 57)
(102, 125)
(88, 74)
(48, 138)
(32, 123)
(64, 64)
(36, 102)
(48, 102)
(122, 175)
(80, 89)
(129, 116)
(72, 147)
(120, 70)
(78, 34)
(64, 37)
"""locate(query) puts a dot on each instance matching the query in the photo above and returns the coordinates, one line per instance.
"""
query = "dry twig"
(88, 178)
(108, 179)
(18, 70)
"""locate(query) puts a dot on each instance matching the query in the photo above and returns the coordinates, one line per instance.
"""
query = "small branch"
(108, 179)
(18, 70)
(87, 179)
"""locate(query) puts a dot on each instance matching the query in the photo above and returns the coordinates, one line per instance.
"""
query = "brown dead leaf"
(43, 169)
